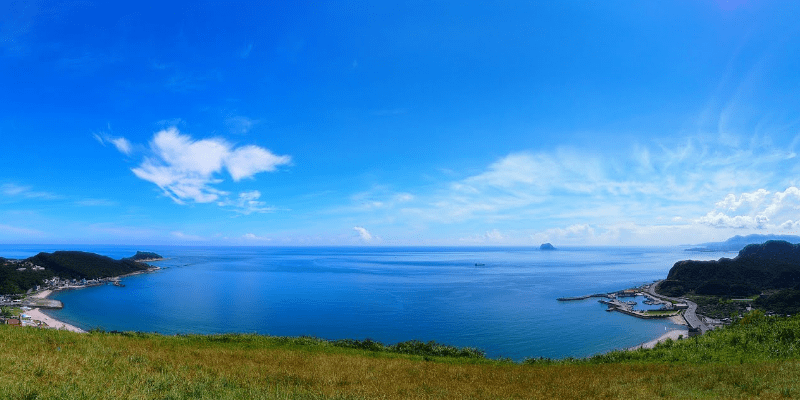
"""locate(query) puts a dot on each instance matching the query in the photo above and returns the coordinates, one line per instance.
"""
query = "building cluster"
(55, 283)
(21, 320)
(23, 265)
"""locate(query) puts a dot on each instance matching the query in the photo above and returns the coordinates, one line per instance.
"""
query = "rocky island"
(145, 256)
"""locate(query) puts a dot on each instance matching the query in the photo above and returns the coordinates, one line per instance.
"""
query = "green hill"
(145, 256)
(19, 276)
(757, 357)
(773, 265)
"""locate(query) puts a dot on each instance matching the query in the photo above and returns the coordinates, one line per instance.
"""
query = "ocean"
(500, 300)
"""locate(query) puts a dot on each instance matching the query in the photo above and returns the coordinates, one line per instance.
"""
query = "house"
(13, 321)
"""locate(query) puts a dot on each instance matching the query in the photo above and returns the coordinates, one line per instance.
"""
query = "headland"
(41, 275)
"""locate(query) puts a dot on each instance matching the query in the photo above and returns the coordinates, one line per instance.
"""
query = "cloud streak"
(122, 144)
(27, 192)
(569, 193)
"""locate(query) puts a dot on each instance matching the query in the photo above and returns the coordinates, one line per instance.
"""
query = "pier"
(612, 300)
(583, 297)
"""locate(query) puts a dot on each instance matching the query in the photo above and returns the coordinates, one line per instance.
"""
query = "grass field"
(757, 358)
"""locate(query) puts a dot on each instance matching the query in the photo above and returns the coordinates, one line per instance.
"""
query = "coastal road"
(691, 313)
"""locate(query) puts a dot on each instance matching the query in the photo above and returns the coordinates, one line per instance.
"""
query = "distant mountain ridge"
(738, 242)
(774, 264)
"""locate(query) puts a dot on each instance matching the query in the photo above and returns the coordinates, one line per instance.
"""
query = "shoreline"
(674, 334)
(51, 323)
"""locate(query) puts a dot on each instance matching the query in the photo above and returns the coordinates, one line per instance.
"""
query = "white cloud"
(363, 233)
(756, 210)
(122, 144)
(247, 161)
(754, 199)
(186, 169)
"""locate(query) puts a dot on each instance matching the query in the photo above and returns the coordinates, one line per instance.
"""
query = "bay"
(501, 300)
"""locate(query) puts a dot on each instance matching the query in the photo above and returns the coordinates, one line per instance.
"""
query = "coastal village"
(679, 310)
(23, 309)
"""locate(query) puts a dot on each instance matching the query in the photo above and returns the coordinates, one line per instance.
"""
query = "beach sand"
(673, 334)
(42, 295)
(35, 314)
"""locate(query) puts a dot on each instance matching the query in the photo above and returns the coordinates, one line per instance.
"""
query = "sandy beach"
(673, 334)
(37, 315)
(42, 295)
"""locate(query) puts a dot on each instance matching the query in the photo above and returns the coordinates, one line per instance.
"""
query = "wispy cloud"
(122, 144)
(14, 190)
(363, 234)
(566, 193)
(15, 230)
(247, 203)
(186, 237)
(245, 51)
(96, 203)
(240, 124)
(251, 237)
(187, 169)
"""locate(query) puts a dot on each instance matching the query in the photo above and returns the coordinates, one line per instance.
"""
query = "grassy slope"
(757, 358)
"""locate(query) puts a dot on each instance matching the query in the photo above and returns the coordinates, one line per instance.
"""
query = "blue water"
(506, 307)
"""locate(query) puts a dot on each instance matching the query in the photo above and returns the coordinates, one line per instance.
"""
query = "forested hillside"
(773, 265)
(18, 276)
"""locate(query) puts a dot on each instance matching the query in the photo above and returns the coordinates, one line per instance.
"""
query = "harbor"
(657, 306)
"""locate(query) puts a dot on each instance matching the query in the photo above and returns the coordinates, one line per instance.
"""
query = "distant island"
(66, 268)
(546, 246)
(738, 242)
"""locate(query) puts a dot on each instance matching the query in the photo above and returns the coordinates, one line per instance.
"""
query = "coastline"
(674, 334)
(51, 323)
(37, 315)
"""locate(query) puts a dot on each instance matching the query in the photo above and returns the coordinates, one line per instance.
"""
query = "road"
(691, 313)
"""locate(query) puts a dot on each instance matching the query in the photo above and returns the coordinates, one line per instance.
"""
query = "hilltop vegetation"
(773, 265)
(757, 357)
(144, 256)
(18, 276)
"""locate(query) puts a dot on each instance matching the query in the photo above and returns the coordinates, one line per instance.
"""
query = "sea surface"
(501, 300)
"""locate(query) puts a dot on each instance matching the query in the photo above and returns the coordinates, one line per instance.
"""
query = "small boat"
(118, 283)
(480, 265)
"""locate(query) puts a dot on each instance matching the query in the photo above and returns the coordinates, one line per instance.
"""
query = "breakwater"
(612, 300)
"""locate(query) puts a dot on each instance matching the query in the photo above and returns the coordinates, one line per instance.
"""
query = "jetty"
(583, 297)
(612, 300)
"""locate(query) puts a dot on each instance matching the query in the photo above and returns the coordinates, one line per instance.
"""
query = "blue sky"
(421, 123)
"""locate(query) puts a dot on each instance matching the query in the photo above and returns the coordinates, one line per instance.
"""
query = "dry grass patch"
(56, 364)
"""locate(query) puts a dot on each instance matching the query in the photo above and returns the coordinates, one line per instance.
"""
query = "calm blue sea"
(507, 306)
